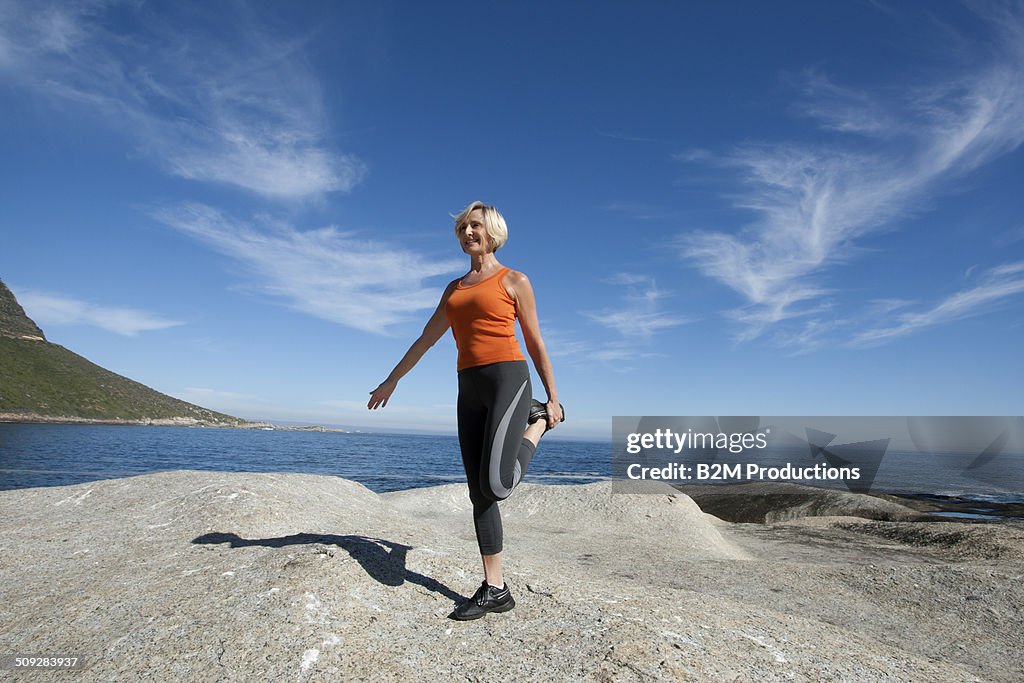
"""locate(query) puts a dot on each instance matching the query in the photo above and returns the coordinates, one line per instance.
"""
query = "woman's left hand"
(379, 396)
(554, 410)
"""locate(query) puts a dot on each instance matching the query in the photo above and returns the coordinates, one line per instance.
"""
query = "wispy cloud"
(437, 417)
(326, 272)
(639, 210)
(845, 110)
(635, 321)
(996, 285)
(563, 345)
(237, 105)
(428, 418)
(693, 155)
(630, 138)
(1008, 237)
(614, 354)
(206, 396)
(640, 314)
(881, 307)
(47, 308)
(884, 320)
(619, 352)
(812, 203)
(247, 406)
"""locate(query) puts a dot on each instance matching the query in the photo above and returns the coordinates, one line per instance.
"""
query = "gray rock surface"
(239, 576)
(773, 502)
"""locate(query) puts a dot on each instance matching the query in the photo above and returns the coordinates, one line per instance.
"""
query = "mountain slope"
(42, 379)
(13, 321)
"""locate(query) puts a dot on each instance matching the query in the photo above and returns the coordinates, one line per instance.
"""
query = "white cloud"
(812, 203)
(561, 345)
(326, 273)
(999, 283)
(618, 352)
(1008, 237)
(638, 318)
(813, 336)
(880, 307)
(846, 110)
(207, 396)
(629, 138)
(441, 411)
(640, 314)
(438, 417)
(425, 418)
(693, 155)
(56, 309)
(630, 279)
(639, 210)
(565, 347)
(631, 322)
(237, 106)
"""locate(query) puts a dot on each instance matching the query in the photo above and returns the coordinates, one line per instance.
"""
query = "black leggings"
(494, 402)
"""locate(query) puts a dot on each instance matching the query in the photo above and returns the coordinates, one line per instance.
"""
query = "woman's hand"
(379, 396)
(434, 330)
(554, 410)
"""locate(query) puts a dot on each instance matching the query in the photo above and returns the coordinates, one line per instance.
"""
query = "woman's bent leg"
(506, 454)
(494, 403)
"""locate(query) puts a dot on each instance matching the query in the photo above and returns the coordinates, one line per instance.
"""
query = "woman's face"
(473, 236)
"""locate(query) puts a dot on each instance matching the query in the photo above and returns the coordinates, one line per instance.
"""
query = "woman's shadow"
(383, 560)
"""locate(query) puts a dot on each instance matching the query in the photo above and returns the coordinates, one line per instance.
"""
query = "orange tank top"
(483, 320)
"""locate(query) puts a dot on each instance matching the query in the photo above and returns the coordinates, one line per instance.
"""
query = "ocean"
(56, 454)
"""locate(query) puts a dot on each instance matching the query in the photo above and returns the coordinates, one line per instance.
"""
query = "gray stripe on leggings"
(497, 488)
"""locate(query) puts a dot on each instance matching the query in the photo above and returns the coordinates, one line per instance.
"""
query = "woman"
(500, 424)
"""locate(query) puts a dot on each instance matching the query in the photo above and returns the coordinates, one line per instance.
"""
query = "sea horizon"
(33, 455)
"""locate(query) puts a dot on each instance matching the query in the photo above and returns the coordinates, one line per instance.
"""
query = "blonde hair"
(494, 223)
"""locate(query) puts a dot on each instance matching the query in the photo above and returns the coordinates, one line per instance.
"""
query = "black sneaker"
(486, 599)
(539, 411)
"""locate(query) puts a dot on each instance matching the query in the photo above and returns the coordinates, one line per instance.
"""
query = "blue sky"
(797, 208)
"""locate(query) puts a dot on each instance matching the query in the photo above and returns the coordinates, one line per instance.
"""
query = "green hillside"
(41, 378)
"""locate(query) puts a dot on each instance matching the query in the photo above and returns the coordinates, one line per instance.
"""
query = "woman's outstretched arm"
(434, 330)
(518, 285)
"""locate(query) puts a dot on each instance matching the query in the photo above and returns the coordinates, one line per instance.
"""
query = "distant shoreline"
(26, 418)
(35, 418)
(960, 508)
(964, 508)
